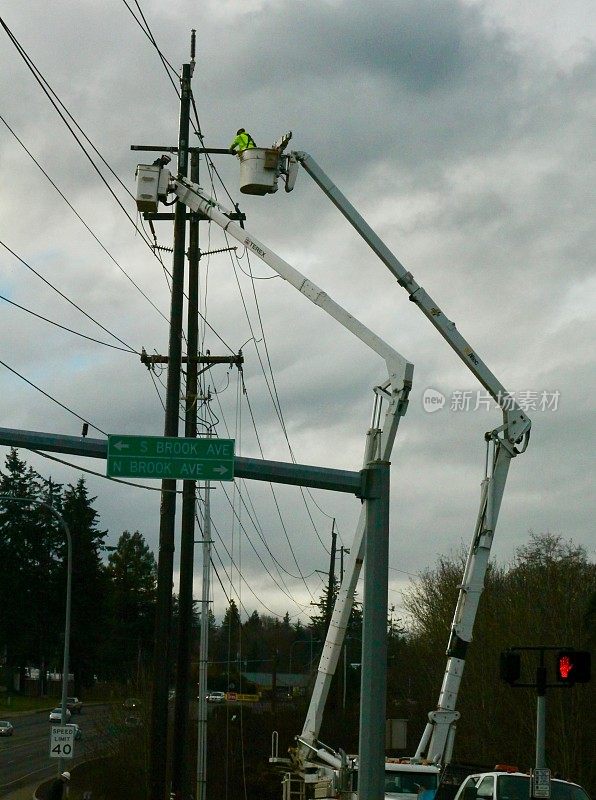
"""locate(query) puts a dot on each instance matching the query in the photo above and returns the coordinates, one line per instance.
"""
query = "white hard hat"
(65, 775)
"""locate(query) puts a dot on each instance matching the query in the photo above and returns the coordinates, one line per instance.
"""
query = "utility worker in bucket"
(242, 141)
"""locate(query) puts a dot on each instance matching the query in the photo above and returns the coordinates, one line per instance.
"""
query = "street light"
(65, 660)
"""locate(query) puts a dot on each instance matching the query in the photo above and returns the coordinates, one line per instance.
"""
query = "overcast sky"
(462, 131)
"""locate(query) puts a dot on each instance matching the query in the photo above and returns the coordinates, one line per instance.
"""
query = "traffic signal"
(573, 666)
(510, 666)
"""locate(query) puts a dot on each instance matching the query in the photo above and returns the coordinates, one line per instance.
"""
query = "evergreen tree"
(253, 645)
(22, 550)
(320, 621)
(228, 640)
(132, 573)
(89, 584)
(50, 587)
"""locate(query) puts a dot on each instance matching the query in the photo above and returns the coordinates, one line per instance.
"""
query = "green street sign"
(170, 457)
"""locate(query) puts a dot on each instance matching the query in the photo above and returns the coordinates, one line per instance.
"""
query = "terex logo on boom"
(249, 243)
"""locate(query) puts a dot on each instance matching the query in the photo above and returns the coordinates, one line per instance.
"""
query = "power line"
(53, 399)
(68, 300)
(262, 455)
(403, 571)
(220, 580)
(99, 474)
(243, 579)
(64, 328)
(259, 529)
(273, 392)
(282, 589)
(73, 209)
(254, 516)
(277, 405)
(51, 94)
(236, 515)
(147, 31)
(249, 274)
(264, 541)
(153, 378)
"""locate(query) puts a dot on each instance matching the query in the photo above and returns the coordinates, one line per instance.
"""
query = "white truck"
(313, 763)
(403, 780)
(507, 783)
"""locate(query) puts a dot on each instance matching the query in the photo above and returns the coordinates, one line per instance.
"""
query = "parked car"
(78, 733)
(74, 705)
(56, 715)
(6, 728)
(216, 697)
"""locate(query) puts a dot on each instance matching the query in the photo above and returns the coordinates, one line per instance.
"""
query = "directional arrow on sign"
(220, 469)
(121, 446)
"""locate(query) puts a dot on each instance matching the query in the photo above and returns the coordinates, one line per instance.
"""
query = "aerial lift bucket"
(259, 170)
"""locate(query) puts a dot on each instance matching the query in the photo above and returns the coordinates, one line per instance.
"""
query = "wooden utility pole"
(161, 655)
(342, 550)
(181, 774)
(158, 753)
(180, 765)
(331, 581)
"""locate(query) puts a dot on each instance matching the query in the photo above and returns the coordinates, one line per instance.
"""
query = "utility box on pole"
(152, 183)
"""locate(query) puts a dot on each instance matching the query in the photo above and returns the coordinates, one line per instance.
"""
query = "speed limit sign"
(61, 742)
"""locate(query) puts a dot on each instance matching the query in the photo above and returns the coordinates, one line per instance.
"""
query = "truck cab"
(410, 781)
(403, 781)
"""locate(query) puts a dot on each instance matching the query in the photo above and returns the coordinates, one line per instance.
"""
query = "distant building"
(288, 682)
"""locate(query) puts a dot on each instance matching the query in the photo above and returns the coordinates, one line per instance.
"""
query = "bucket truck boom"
(153, 184)
(505, 442)
(400, 371)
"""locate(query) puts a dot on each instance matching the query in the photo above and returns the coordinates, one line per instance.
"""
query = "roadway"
(25, 756)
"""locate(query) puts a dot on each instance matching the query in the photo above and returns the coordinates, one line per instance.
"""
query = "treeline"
(546, 597)
(112, 601)
(113, 598)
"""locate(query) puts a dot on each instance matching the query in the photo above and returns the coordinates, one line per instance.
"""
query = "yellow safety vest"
(243, 141)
